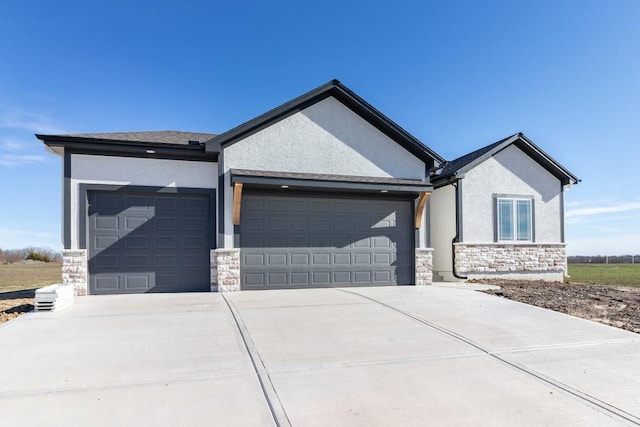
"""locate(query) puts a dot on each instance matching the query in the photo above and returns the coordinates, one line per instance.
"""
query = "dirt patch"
(15, 303)
(611, 305)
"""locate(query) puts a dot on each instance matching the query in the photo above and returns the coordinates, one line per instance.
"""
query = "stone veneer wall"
(547, 260)
(424, 266)
(227, 270)
(74, 270)
(213, 264)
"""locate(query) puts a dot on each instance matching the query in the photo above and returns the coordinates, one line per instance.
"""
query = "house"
(321, 191)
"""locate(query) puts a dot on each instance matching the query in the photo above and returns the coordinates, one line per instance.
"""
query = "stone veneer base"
(544, 261)
(227, 270)
(74, 270)
(424, 266)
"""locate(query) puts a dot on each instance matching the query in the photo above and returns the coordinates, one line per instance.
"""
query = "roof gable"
(455, 169)
(343, 94)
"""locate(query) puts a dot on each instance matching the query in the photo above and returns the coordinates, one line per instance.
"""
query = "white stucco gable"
(510, 172)
(324, 138)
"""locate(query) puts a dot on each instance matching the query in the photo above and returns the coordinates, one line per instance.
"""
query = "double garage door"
(291, 240)
(148, 242)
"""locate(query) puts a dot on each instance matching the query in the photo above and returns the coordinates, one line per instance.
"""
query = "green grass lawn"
(605, 274)
(16, 277)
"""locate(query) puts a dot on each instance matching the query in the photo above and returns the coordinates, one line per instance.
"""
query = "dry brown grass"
(18, 283)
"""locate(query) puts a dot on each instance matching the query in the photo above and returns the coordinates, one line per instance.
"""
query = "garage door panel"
(104, 242)
(330, 241)
(192, 260)
(383, 276)
(137, 261)
(300, 278)
(196, 224)
(319, 207)
(136, 282)
(294, 241)
(107, 223)
(136, 242)
(193, 242)
(362, 259)
(321, 277)
(166, 223)
(253, 205)
(342, 259)
(362, 276)
(277, 259)
(342, 224)
(162, 246)
(362, 243)
(321, 259)
(382, 258)
(253, 241)
(254, 280)
(166, 242)
(278, 278)
(166, 204)
(195, 205)
(251, 259)
(108, 262)
(300, 259)
(133, 222)
(341, 207)
(107, 201)
(299, 205)
(107, 283)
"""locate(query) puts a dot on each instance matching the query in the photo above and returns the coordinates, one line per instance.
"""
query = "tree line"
(10, 256)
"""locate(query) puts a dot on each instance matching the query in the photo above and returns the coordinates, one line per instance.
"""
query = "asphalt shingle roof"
(450, 168)
(161, 137)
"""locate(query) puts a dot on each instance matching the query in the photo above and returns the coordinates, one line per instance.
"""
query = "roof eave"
(130, 148)
(562, 173)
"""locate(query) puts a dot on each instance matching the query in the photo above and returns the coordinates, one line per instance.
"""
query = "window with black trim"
(514, 222)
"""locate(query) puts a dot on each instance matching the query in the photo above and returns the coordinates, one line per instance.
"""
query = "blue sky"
(456, 74)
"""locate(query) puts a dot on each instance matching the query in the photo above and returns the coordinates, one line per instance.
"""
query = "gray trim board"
(66, 191)
(562, 219)
(459, 211)
(83, 190)
(298, 181)
(129, 149)
(221, 190)
(159, 137)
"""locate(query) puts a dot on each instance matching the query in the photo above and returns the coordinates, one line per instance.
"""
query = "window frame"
(515, 216)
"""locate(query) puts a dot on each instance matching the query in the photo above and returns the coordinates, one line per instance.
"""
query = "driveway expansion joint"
(591, 401)
(276, 408)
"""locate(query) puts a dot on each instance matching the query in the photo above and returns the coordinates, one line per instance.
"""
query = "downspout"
(456, 239)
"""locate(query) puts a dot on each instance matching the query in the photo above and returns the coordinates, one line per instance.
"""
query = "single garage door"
(316, 240)
(148, 242)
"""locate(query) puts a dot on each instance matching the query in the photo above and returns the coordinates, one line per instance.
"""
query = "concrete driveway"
(358, 356)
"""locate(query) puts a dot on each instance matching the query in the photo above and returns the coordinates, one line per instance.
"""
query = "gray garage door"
(148, 243)
(303, 240)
